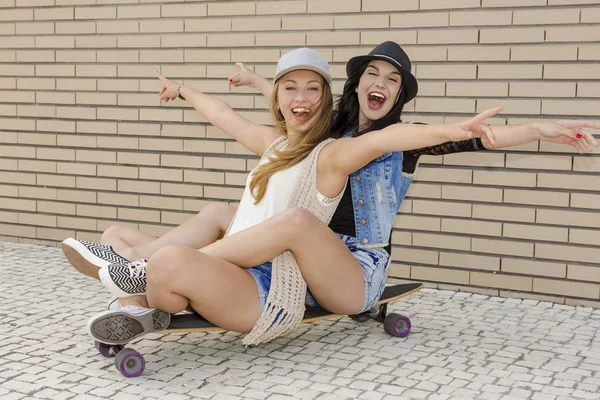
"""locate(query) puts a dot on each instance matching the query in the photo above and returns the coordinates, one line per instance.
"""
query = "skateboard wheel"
(130, 363)
(103, 349)
(396, 325)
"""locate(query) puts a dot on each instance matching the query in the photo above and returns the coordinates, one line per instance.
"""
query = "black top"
(343, 218)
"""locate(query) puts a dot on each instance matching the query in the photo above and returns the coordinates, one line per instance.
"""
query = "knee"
(111, 233)
(165, 264)
(298, 220)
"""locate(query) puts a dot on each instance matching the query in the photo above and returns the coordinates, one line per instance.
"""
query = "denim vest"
(378, 189)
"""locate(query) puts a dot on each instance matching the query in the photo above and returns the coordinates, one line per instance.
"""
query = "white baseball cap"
(303, 58)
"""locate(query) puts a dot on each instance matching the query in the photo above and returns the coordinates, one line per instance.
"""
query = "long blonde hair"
(315, 134)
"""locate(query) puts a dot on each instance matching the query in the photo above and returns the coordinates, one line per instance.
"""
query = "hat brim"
(326, 75)
(410, 82)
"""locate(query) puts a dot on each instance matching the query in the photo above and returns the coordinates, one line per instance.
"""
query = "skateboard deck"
(185, 323)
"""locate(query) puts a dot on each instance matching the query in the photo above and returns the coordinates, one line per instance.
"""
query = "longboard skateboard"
(131, 363)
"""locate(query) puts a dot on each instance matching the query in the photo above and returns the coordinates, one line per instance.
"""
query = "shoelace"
(137, 269)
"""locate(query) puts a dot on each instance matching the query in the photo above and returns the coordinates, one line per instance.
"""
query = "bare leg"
(209, 225)
(179, 276)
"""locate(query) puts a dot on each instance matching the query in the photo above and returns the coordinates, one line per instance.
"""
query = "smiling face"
(299, 96)
(378, 91)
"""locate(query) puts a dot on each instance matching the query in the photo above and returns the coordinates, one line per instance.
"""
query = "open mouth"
(376, 100)
(301, 113)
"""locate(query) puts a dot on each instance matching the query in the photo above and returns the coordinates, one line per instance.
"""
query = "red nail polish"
(579, 136)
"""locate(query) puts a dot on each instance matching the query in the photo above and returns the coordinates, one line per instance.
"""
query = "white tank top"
(276, 198)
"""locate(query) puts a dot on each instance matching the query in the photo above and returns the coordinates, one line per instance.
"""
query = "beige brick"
(54, 234)
(96, 183)
(446, 72)
(138, 158)
(504, 178)
(54, 14)
(161, 174)
(426, 191)
(37, 111)
(529, 107)
(213, 192)
(451, 242)
(513, 3)
(332, 38)
(138, 41)
(56, 207)
(134, 214)
(582, 200)
(178, 160)
(96, 127)
(56, 181)
(571, 71)
(217, 178)
(210, 56)
(570, 107)
(281, 39)
(568, 181)
(409, 255)
(537, 268)
(8, 164)
(307, 23)
(398, 271)
(482, 159)
(77, 223)
(36, 166)
(96, 211)
(76, 112)
(546, 17)
(8, 83)
(507, 71)
(503, 213)
(543, 52)
(470, 261)
(569, 218)
(256, 24)
(75, 28)
(17, 70)
(184, 10)
(425, 174)
(566, 288)
(76, 84)
(476, 89)
(479, 53)
(472, 227)
(376, 37)
(418, 20)
(118, 199)
(11, 217)
(502, 246)
(94, 42)
(115, 171)
(588, 89)
(207, 25)
(501, 281)
(333, 6)
(472, 193)
(18, 124)
(95, 13)
(173, 189)
(161, 202)
(118, 114)
(232, 8)
(369, 21)
(584, 273)
(448, 36)
(480, 18)
(567, 253)
(138, 186)
(55, 42)
(34, 28)
(166, 26)
(17, 204)
(118, 27)
(536, 232)
(543, 89)
(572, 34)
(76, 169)
(404, 221)
(55, 154)
(282, 7)
(441, 208)
(590, 14)
(439, 275)
(536, 197)
(230, 40)
(16, 42)
(584, 236)
(135, 12)
(7, 28)
(535, 161)
(17, 230)
(161, 144)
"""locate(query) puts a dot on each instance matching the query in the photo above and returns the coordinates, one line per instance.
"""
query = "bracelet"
(179, 92)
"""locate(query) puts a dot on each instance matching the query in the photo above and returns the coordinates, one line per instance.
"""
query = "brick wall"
(84, 142)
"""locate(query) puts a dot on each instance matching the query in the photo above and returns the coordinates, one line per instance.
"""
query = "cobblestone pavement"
(462, 346)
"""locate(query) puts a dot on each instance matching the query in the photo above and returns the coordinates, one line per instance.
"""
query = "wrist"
(179, 88)
(534, 130)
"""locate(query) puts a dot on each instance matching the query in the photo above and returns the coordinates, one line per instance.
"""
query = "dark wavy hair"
(345, 115)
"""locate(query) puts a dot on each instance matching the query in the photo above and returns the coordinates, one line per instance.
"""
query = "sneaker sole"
(81, 259)
(118, 327)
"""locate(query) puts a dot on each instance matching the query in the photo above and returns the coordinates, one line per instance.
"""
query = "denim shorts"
(374, 263)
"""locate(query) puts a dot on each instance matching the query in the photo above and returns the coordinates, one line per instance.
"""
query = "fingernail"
(579, 136)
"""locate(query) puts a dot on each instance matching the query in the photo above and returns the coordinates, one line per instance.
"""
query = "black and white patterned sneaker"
(128, 323)
(125, 280)
(87, 257)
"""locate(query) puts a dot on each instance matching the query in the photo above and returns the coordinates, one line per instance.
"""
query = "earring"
(356, 90)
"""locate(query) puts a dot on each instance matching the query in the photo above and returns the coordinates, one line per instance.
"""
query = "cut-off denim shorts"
(374, 263)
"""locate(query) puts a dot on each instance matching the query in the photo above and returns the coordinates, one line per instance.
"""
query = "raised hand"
(169, 90)
(476, 127)
(570, 132)
(244, 77)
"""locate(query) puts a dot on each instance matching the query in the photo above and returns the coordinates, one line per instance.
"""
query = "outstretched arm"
(347, 155)
(569, 132)
(254, 137)
(245, 77)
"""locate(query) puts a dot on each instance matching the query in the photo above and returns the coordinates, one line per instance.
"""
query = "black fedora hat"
(392, 53)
